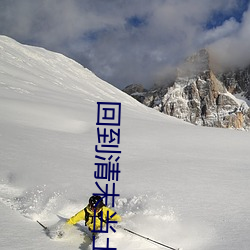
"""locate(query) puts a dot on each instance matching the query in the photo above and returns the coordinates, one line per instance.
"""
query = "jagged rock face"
(199, 97)
(133, 88)
(137, 91)
(237, 81)
(205, 102)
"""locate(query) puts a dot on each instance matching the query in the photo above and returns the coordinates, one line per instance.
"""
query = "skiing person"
(96, 208)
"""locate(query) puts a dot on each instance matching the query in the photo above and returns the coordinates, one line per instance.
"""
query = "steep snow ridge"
(35, 75)
(36, 71)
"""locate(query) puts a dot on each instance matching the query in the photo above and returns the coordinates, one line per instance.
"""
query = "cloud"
(228, 28)
(121, 41)
(232, 50)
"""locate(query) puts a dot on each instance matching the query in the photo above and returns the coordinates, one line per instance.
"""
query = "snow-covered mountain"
(182, 185)
(201, 96)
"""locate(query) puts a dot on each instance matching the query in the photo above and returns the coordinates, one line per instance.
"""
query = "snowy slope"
(182, 185)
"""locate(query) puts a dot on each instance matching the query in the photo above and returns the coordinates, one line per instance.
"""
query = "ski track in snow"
(143, 214)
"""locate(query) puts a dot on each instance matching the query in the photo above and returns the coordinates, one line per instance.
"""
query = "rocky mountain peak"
(196, 64)
(200, 96)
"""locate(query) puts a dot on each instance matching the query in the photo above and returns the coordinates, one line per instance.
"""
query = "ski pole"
(45, 228)
(159, 243)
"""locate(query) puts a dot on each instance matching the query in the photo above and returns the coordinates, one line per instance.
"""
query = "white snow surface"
(182, 185)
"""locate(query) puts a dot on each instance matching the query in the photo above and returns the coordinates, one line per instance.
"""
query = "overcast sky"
(131, 41)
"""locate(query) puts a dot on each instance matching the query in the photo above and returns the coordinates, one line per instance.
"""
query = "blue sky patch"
(136, 21)
(219, 17)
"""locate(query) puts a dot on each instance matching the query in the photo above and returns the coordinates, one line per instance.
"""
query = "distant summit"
(200, 96)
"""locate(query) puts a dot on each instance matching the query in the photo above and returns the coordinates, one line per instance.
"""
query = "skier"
(96, 208)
